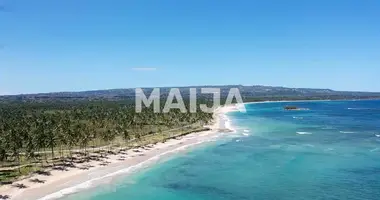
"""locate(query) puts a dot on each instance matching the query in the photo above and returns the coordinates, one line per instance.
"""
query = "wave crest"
(346, 131)
(304, 133)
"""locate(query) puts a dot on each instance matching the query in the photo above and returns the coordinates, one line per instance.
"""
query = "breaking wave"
(304, 133)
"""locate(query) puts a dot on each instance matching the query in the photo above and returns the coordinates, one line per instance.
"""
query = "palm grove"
(37, 134)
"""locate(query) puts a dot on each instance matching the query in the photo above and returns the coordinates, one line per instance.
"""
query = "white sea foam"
(377, 135)
(89, 183)
(216, 136)
(232, 136)
(226, 123)
(304, 133)
(361, 108)
(294, 117)
(346, 132)
(245, 134)
(330, 149)
(246, 131)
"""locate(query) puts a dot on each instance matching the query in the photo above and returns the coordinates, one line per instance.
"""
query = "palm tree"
(30, 127)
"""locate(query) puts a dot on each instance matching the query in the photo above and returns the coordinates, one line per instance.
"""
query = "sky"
(76, 45)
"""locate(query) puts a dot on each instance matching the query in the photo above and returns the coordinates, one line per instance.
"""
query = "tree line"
(27, 128)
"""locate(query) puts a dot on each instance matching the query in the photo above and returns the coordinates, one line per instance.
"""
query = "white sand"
(61, 183)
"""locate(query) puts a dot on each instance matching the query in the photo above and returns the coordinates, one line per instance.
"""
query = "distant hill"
(251, 93)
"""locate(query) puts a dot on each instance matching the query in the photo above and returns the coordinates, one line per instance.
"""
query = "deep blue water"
(331, 151)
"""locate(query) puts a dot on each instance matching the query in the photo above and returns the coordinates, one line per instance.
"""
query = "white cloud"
(144, 69)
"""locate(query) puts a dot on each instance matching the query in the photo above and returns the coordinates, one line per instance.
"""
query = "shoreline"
(311, 100)
(60, 183)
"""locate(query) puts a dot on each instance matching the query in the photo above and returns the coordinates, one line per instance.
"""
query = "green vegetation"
(35, 135)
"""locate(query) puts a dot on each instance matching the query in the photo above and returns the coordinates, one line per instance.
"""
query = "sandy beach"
(58, 183)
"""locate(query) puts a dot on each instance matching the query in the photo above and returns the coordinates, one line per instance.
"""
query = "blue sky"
(73, 45)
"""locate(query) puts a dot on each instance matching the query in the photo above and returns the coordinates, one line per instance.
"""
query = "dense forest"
(34, 135)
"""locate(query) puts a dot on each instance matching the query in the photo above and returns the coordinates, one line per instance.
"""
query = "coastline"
(311, 100)
(60, 183)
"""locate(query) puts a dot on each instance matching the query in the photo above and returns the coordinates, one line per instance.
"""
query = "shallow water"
(328, 152)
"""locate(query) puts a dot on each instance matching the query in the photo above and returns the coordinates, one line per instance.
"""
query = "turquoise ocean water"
(331, 151)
